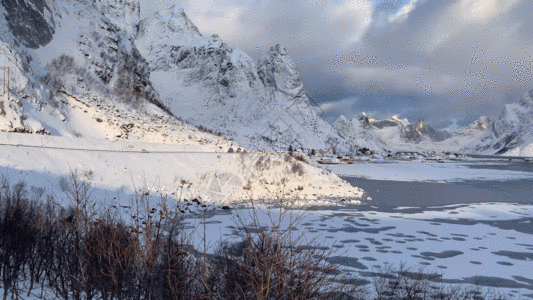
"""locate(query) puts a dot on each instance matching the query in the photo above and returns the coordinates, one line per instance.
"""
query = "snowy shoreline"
(425, 171)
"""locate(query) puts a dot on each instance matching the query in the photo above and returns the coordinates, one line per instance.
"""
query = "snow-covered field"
(487, 244)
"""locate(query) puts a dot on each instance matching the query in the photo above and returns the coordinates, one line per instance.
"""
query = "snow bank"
(183, 172)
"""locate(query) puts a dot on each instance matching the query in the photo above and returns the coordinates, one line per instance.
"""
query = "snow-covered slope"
(86, 80)
(511, 134)
(261, 104)
(83, 81)
(121, 169)
(18, 93)
(397, 134)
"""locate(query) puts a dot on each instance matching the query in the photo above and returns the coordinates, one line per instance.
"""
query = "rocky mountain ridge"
(261, 104)
(512, 130)
(395, 134)
(59, 50)
(96, 85)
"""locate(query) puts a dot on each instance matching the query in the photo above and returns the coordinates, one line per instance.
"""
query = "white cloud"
(319, 27)
(482, 10)
(338, 107)
(458, 54)
(330, 111)
(461, 55)
(403, 13)
(352, 19)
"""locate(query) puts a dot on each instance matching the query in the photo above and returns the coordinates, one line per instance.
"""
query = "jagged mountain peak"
(170, 26)
(263, 104)
(395, 134)
(278, 50)
(278, 71)
(359, 133)
(513, 129)
(397, 118)
(176, 19)
(364, 120)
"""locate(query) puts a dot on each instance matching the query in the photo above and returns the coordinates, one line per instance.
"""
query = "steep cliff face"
(99, 36)
(110, 54)
(87, 80)
(512, 130)
(278, 72)
(29, 23)
(18, 90)
(263, 105)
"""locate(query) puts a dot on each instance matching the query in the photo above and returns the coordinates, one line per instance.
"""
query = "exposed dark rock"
(27, 22)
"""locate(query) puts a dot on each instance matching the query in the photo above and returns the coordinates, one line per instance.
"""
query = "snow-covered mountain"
(79, 71)
(421, 131)
(395, 134)
(100, 54)
(512, 133)
(261, 104)
(89, 65)
(360, 132)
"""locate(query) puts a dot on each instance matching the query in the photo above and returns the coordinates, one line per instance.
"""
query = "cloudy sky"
(441, 60)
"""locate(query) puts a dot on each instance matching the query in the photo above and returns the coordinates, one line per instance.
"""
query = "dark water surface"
(392, 194)
(388, 195)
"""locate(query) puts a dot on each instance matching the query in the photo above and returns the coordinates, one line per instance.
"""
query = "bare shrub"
(57, 78)
(402, 283)
(297, 168)
(79, 253)
(110, 249)
(271, 262)
(266, 266)
(18, 234)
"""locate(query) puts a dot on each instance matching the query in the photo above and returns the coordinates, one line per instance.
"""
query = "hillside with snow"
(261, 104)
(88, 75)
(511, 134)
(120, 169)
